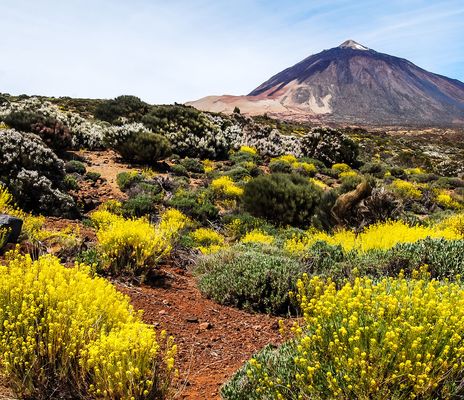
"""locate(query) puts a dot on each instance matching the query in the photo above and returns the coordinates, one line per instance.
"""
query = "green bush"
(276, 361)
(179, 170)
(130, 108)
(197, 204)
(282, 198)
(125, 180)
(144, 147)
(92, 176)
(70, 182)
(75, 166)
(139, 205)
(251, 277)
(237, 173)
(277, 166)
(193, 165)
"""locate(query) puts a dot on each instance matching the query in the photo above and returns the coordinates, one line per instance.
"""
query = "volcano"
(352, 83)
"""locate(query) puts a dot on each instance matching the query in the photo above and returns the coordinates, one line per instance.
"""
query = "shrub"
(224, 186)
(193, 165)
(134, 246)
(139, 205)
(382, 235)
(257, 236)
(207, 240)
(128, 108)
(406, 190)
(70, 182)
(34, 174)
(282, 198)
(180, 170)
(330, 146)
(92, 176)
(249, 277)
(126, 180)
(143, 147)
(238, 173)
(396, 338)
(75, 166)
(65, 334)
(197, 204)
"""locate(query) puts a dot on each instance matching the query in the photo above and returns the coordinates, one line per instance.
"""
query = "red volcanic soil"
(213, 340)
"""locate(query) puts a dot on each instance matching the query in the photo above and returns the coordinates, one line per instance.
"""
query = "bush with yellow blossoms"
(257, 236)
(134, 245)
(394, 339)
(224, 186)
(65, 334)
(380, 236)
(207, 240)
(406, 190)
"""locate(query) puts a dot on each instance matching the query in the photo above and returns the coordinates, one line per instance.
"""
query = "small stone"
(162, 312)
(166, 303)
(193, 320)
(205, 326)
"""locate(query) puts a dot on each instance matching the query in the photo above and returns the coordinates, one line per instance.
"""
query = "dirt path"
(213, 340)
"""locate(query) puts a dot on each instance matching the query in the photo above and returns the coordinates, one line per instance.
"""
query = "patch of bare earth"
(213, 340)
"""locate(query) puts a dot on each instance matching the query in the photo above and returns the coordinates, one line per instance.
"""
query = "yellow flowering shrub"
(133, 245)
(341, 167)
(225, 186)
(383, 236)
(445, 200)
(65, 333)
(207, 240)
(318, 183)
(209, 165)
(249, 150)
(395, 339)
(455, 223)
(405, 189)
(414, 171)
(258, 236)
(347, 174)
(293, 161)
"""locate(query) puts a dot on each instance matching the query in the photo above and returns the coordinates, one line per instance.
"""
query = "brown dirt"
(213, 340)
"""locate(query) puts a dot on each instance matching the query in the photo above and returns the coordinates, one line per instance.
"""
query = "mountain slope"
(352, 83)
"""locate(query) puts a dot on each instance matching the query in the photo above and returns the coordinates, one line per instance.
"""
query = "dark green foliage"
(250, 277)
(139, 205)
(127, 179)
(283, 198)
(277, 166)
(398, 172)
(374, 168)
(75, 166)
(144, 147)
(56, 135)
(277, 362)
(70, 182)
(237, 173)
(92, 176)
(180, 170)
(247, 223)
(129, 107)
(197, 204)
(193, 165)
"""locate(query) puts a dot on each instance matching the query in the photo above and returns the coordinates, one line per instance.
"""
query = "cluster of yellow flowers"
(394, 339)
(341, 167)
(381, 236)
(258, 236)
(207, 240)
(248, 150)
(225, 186)
(405, 189)
(318, 183)
(59, 326)
(415, 171)
(293, 161)
(209, 165)
(134, 244)
(444, 199)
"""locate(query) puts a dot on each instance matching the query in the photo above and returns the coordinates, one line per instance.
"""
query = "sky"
(180, 50)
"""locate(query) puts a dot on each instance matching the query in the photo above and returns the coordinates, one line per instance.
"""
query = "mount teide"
(352, 84)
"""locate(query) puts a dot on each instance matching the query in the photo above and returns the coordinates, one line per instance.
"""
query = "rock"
(162, 312)
(192, 319)
(205, 326)
(13, 224)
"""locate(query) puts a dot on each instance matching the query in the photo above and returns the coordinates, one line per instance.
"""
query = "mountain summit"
(352, 83)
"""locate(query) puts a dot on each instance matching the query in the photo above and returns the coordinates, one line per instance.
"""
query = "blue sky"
(180, 50)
